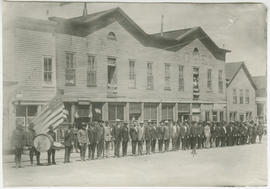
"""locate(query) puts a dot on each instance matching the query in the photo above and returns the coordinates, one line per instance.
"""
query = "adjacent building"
(106, 67)
(241, 93)
(261, 97)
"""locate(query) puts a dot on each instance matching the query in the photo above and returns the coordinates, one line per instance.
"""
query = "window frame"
(91, 69)
(132, 74)
(220, 81)
(149, 76)
(209, 80)
(235, 99)
(247, 96)
(241, 96)
(181, 78)
(52, 83)
(69, 69)
(167, 76)
(111, 36)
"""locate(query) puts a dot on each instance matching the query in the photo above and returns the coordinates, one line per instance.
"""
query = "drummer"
(51, 152)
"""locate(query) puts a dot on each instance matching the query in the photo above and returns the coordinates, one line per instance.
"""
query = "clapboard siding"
(127, 47)
(30, 47)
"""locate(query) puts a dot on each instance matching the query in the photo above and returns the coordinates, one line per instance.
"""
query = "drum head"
(42, 142)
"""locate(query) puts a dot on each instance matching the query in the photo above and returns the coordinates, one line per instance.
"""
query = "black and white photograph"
(134, 94)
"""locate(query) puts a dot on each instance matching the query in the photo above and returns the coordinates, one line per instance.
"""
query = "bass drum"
(43, 142)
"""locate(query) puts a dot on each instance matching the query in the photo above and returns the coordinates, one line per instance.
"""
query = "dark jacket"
(183, 131)
(166, 133)
(52, 134)
(92, 134)
(18, 138)
(100, 133)
(147, 133)
(153, 133)
(124, 134)
(133, 133)
(68, 138)
(116, 133)
(160, 132)
(29, 136)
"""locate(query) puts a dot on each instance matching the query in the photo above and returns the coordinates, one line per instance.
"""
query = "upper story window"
(112, 72)
(196, 52)
(70, 69)
(234, 96)
(92, 71)
(150, 77)
(181, 78)
(209, 79)
(241, 100)
(48, 71)
(220, 81)
(132, 74)
(247, 96)
(167, 76)
(111, 36)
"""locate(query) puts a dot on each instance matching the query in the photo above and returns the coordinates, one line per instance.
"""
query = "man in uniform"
(68, 143)
(107, 138)
(134, 137)
(223, 135)
(83, 140)
(30, 135)
(51, 152)
(183, 135)
(92, 137)
(117, 138)
(167, 136)
(140, 138)
(125, 138)
(160, 135)
(100, 139)
(17, 143)
(147, 134)
(153, 137)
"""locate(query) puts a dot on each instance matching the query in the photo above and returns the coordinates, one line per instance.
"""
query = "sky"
(240, 28)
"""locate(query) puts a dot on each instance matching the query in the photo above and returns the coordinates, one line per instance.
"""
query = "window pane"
(32, 110)
(112, 112)
(120, 112)
(20, 111)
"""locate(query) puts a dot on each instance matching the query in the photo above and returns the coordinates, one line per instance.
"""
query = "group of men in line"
(97, 137)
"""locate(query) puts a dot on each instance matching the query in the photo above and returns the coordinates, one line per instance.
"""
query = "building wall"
(125, 48)
(241, 82)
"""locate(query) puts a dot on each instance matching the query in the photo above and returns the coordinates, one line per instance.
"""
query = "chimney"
(85, 9)
(161, 29)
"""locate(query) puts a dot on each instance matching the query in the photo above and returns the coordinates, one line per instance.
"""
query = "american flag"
(52, 114)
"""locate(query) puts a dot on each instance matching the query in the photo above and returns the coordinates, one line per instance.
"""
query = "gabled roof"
(172, 40)
(232, 69)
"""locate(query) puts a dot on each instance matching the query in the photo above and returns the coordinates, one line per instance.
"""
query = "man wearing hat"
(117, 138)
(92, 136)
(153, 137)
(207, 134)
(134, 137)
(147, 132)
(140, 138)
(125, 138)
(83, 140)
(68, 143)
(100, 139)
(30, 135)
(107, 138)
(17, 143)
(160, 135)
(167, 136)
(51, 152)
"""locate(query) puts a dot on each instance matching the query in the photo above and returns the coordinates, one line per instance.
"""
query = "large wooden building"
(106, 67)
